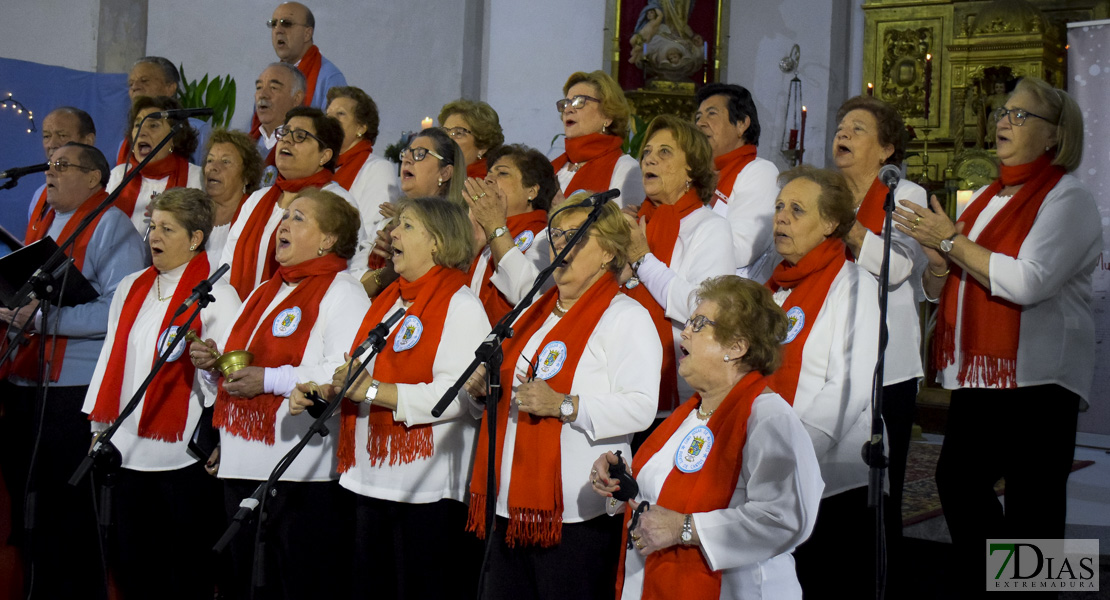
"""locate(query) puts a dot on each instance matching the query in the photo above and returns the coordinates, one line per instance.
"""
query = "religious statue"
(663, 44)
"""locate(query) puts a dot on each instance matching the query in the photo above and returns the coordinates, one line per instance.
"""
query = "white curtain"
(1089, 71)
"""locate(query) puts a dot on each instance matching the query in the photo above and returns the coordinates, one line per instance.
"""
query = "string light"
(11, 102)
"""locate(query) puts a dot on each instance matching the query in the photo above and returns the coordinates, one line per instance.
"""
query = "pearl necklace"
(158, 284)
(559, 310)
(704, 416)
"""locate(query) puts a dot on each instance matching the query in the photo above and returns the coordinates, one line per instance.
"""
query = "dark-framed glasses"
(457, 132)
(298, 135)
(698, 322)
(62, 165)
(576, 102)
(1017, 115)
(556, 234)
(283, 23)
(418, 154)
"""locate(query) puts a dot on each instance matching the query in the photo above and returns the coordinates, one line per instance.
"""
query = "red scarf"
(310, 67)
(254, 418)
(662, 233)
(810, 281)
(166, 403)
(600, 153)
(173, 166)
(496, 305)
(536, 480)
(124, 151)
(387, 439)
(728, 167)
(37, 216)
(681, 571)
(349, 163)
(26, 361)
(244, 262)
(990, 327)
(870, 213)
(478, 169)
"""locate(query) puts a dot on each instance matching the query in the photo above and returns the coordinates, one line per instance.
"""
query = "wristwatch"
(637, 264)
(687, 529)
(566, 409)
(372, 391)
(500, 231)
(946, 245)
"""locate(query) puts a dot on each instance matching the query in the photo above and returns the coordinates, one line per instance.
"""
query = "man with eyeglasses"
(41, 416)
(291, 30)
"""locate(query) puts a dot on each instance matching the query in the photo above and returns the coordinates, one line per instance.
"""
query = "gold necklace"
(158, 284)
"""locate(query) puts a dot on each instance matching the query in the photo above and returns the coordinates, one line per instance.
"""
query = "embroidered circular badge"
(286, 322)
(269, 176)
(797, 319)
(524, 240)
(694, 449)
(551, 360)
(408, 334)
(164, 341)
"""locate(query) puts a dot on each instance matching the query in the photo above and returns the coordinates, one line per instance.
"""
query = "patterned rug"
(920, 501)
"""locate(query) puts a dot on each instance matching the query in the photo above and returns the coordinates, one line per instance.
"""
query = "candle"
(793, 139)
(870, 89)
(963, 198)
(426, 123)
(928, 82)
(802, 142)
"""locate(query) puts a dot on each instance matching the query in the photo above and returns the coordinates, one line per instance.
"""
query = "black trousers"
(165, 524)
(583, 565)
(1025, 435)
(306, 541)
(414, 551)
(899, 408)
(838, 559)
(60, 541)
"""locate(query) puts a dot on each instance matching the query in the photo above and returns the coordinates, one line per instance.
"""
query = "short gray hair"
(169, 71)
(300, 84)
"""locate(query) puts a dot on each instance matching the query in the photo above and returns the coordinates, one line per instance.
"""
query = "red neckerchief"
(681, 571)
(600, 153)
(349, 163)
(244, 262)
(810, 281)
(536, 481)
(990, 326)
(166, 403)
(401, 363)
(310, 67)
(728, 167)
(478, 169)
(254, 418)
(496, 306)
(173, 166)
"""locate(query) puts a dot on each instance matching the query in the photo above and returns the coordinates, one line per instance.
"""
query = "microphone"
(601, 198)
(18, 172)
(379, 333)
(204, 287)
(890, 175)
(184, 113)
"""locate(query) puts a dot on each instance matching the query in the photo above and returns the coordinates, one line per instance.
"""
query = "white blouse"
(833, 399)
(149, 189)
(627, 177)
(772, 510)
(140, 453)
(517, 270)
(446, 474)
(750, 211)
(375, 184)
(332, 334)
(1051, 280)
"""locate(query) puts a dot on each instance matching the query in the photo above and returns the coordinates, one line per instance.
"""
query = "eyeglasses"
(558, 234)
(418, 154)
(576, 102)
(1017, 115)
(61, 166)
(283, 23)
(298, 135)
(698, 322)
(458, 132)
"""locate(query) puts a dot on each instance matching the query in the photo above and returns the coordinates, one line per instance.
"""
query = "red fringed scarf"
(173, 166)
(244, 263)
(478, 169)
(349, 163)
(496, 306)
(662, 233)
(810, 281)
(26, 361)
(681, 571)
(536, 481)
(600, 153)
(274, 345)
(166, 404)
(405, 360)
(310, 67)
(990, 326)
(728, 167)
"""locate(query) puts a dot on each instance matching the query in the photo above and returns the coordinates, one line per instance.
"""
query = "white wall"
(52, 32)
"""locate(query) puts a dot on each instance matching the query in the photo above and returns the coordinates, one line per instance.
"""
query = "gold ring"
(917, 220)
(639, 546)
(482, 195)
(635, 538)
(474, 198)
(914, 227)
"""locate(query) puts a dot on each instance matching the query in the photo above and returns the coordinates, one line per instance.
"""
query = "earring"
(192, 248)
(480, 152)
(439, 181)
(726, 358)
(320, 252)
(687, 185)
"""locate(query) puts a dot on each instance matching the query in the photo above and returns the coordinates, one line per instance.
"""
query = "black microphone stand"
(490, 353)
(12, 181)
(874, 449)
